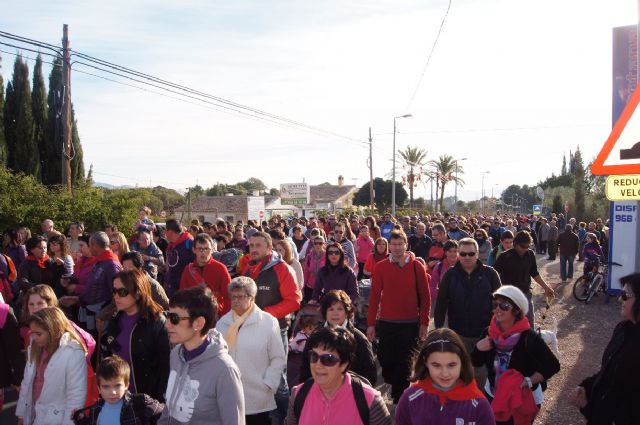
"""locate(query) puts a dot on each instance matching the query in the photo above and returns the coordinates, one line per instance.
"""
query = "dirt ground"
(583, 333)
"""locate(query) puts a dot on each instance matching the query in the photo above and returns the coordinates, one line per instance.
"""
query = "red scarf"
(86, 262)
(183, 237)
(107, 255)
(497, 335)
(41, 262)
(378, 257)
(460, 392)
(196, 272)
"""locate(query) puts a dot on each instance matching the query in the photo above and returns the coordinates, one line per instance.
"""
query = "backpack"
(358, 395)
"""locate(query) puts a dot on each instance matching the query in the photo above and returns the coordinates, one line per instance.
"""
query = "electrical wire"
(426, 65)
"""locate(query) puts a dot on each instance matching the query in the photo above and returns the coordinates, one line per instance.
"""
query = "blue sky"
(511, 85)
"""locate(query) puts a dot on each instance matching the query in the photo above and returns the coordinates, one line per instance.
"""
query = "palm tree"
(414, 161)
(445, 168)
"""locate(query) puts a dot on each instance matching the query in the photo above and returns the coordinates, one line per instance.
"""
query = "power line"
(426, 65)
(221, 102)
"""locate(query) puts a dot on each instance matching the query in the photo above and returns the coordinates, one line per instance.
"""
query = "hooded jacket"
(206, 389)
(64, 389)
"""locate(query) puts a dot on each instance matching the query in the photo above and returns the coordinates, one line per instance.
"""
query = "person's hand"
(371, 333)
(59, 261)
(549, 293)
(432, 263)
(424, 331)
(312, 302)
(485, 344)
(578, 397)
(69, 300)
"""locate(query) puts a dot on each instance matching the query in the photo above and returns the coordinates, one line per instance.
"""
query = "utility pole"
(371, 192)
(66, 109)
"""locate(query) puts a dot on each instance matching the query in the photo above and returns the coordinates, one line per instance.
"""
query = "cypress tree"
(563, 171)
(26, 157)
(4, 152)
(579, 185)
(53, 147)
(77, 163)
(39, 109)
(9, 120)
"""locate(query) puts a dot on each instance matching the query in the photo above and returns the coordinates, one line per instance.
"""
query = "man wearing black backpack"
(465, 295)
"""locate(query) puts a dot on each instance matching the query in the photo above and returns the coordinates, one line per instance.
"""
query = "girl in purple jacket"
(443, 391)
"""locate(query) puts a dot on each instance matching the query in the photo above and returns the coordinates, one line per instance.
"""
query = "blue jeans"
(564, 273)
(282, 394)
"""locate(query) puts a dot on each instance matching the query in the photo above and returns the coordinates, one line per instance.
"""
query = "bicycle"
(589, 284)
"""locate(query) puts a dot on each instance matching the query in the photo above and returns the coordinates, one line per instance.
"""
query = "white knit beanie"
(515, 295)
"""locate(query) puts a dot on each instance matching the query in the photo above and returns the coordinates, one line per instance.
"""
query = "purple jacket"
(415, 405)
(329, 278)
(99, 283)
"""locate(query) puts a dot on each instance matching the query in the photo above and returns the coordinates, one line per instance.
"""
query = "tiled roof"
(329, 192)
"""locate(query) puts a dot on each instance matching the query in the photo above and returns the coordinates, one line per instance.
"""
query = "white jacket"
(259, 354)
(64, 389)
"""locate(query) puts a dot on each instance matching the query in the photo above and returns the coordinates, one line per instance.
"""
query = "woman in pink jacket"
(364, 247)
(314, 260)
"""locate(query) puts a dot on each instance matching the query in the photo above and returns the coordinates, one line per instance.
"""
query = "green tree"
(445, 167)
(253, 183)
(77, 156)
(557, 206)
(40, 114)
(25, 157)
(53, 146)
(579, 185)
(563, 170)
(4, 151)
(414, 162)
(382, 190)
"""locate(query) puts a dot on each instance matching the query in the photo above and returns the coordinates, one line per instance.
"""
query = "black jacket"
(149, 354)
(466, 298)
(531, 354)
(613, 393)
(31, 274)
(364, 363)
(12, 359)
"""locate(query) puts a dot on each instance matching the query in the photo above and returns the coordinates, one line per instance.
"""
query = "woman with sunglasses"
(380, 252)
(333, 394)
(118, 244)
(335, 274)
(255, 344)
(339, 237)
(516, 357)
(204, 383)
(137, 333)
(314, 260)
(338, 311)
(611, 395)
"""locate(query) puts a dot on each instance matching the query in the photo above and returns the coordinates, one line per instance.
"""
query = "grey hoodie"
(206, 389)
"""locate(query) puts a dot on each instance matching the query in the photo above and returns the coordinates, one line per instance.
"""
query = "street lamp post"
(455, 196)
(393, 182)
(482, 199)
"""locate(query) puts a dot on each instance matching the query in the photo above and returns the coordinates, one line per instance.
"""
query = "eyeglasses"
(333, 252)
(121, 292)
(504, 306)
(338, 232)
(325, 359)
(467, 254)
(203, 249)
(624, 296)
(239, 297)
(175, 318)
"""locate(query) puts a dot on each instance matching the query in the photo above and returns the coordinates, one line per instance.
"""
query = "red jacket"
(215, 276)
(401, 291)
(512, 401)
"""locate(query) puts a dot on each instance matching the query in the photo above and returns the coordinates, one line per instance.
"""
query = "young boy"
(117, 405)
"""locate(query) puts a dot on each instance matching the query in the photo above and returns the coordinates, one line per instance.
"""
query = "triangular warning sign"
(621, 152)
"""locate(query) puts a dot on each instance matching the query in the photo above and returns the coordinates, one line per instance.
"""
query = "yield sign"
(621, 152)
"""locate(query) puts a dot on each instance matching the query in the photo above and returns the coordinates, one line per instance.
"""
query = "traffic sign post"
(623, 187)
(537, 209)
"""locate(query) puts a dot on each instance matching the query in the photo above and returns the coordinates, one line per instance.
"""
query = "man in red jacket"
(207, 272)
(402, 314)
(278, 294)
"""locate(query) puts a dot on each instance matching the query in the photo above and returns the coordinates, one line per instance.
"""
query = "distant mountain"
(111, 186)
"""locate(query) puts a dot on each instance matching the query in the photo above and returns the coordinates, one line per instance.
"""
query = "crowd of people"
(234, 323)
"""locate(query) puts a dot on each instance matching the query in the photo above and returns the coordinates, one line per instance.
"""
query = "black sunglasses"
(504, 306)
(121, 292)
(175, 318)
(466, 254)
(325, 359)
(333, 252)
(625, 296)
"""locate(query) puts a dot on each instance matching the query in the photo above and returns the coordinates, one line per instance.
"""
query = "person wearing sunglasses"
(332, 393)
(611, 395)
(314, 260)
(137, 333)
(517, 359)
(253, 338)
(204, 384)
(339, 237)
(464, 296)
(335, 274)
